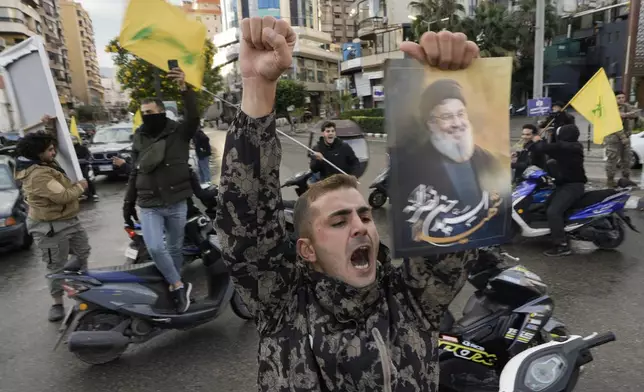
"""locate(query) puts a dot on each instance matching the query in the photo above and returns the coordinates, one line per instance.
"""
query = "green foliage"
(374, 112)
(430, 15)
(370, 124)
(492, 29)
(137, 76)
(88, 113)
(289, 93)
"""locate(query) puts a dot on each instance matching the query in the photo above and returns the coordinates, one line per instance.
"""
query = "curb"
(377, 135)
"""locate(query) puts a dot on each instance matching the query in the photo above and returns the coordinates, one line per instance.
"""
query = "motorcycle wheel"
(618, 237)
(99, 320)
(239, 307)
(377, 198)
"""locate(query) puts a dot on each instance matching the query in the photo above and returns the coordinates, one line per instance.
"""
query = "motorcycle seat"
(592, 197)
(145, 272)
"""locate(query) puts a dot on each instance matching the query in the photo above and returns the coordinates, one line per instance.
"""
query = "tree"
(492, 29)
(431, 14)
(289, 93)
(524, 26)
(138, 76)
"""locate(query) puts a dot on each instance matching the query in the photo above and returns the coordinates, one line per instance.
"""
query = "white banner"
(31, 92)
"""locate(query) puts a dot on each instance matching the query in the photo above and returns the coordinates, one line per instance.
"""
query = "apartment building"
(79, 36)
(336, 20)
(208, 12)
(315, 56)
(21, 19)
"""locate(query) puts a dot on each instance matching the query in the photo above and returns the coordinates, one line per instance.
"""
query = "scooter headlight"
(544, 372)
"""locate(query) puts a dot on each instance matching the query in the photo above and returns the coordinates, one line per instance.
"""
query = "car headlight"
(544, 372)
(125, 155)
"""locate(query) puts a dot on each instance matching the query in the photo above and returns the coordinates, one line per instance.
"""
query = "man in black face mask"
(160, 184)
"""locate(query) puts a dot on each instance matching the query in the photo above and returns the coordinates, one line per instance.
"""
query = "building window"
(265, 4)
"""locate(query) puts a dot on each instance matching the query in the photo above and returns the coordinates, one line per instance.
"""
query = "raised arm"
(190, 123)
(250, 220)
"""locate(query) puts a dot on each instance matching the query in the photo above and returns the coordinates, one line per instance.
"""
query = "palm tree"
(493, 30)
(431, 15)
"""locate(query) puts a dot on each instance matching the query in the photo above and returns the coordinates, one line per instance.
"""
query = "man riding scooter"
(570, 179)
(333, 150)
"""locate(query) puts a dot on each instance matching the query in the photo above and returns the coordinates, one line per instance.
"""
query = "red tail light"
(130, 232)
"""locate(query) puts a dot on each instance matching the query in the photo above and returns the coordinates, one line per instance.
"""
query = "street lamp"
(413, 17)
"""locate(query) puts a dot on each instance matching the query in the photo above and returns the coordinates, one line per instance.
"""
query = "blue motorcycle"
(596, 219)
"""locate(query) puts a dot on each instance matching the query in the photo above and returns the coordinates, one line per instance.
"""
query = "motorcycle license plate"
(105, 168)
(632, 203)
(131, 253)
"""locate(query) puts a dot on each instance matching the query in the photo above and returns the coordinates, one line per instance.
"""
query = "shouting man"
(340, 317)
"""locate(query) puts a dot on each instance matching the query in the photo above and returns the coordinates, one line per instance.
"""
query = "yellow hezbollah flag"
(137, 121)
(596, 101)
(157, 32)
(73, 129)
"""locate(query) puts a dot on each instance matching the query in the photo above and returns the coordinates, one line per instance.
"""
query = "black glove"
(129, 212)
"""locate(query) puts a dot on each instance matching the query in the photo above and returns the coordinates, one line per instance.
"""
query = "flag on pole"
(596, 102)
(157, 31)
(137, 121)
(73, 129)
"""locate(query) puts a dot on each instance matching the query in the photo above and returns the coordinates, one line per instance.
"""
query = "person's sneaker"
(95, 197)
(182, 297)
(56, 313)
(559, 250)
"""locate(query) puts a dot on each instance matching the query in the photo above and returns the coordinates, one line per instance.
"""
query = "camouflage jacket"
(317, 333)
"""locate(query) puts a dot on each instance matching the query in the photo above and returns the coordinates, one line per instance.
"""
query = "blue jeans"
(204, 169)
(168, 255)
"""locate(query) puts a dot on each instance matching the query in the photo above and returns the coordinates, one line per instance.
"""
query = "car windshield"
(112, 135)
(6, 178)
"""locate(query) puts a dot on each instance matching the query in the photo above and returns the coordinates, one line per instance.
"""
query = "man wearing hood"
(160, 184)
(53, 209)
(334, 150)
(83, 153)
(340, 317)
(570, 180)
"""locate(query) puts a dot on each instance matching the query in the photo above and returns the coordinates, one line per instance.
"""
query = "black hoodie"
(568, 153)
(339, 153)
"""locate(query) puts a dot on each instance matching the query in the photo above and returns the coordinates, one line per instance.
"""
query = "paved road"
(598, 292)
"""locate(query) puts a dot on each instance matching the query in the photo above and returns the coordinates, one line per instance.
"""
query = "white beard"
(458, 151)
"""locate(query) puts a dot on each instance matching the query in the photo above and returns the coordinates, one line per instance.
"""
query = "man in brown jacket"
(53, 209)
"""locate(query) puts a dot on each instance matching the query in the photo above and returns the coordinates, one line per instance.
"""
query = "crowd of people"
(342, 272)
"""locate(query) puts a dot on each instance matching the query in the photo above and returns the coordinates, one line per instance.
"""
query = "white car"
(637, 149)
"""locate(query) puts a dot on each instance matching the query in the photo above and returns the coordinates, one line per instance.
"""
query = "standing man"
(83, 153)
(558, 117)
(335, 151)
(53, 210)
(618, 144)
(204, 151)
(160, 184)
(340, 316)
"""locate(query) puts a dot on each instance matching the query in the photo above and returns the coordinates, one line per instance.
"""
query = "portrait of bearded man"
(440, 154)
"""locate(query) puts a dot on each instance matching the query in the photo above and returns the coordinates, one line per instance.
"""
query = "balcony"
(10, 25)
(226, 55)
(314, 52)
(56, 65)
(370, 61)
(369, 19)
(568, 52)
(313, 35)
(226, 37)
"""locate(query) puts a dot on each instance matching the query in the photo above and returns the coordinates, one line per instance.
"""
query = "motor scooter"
(123, 305)
(552, 367)
(596, 220)
(380, 186)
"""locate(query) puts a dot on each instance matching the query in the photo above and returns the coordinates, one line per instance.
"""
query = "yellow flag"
(157, 31)
(137, 121)
(596, 102)
(73, 129)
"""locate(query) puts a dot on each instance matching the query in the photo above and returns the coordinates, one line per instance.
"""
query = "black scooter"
(380, 186)
(123, 305)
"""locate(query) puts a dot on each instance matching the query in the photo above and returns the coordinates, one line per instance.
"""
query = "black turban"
(437, 92)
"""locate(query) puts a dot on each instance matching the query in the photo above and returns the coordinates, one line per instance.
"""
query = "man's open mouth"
(360, 257)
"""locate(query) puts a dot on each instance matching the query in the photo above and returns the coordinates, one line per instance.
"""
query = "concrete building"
(381, 25)
(315, 56)
(208, 12)
(335, 19)
(114, 96)
(21, 19)
(79, 36)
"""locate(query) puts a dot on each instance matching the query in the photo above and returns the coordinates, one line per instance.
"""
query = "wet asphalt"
(597, 292)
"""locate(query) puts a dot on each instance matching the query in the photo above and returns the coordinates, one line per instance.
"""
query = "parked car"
(9, 138)
(13, 209)
(637, 149)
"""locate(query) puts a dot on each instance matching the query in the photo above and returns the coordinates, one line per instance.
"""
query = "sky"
(107, 16)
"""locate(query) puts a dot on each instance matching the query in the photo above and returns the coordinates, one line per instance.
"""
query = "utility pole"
(633, 23)
(537, 85)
